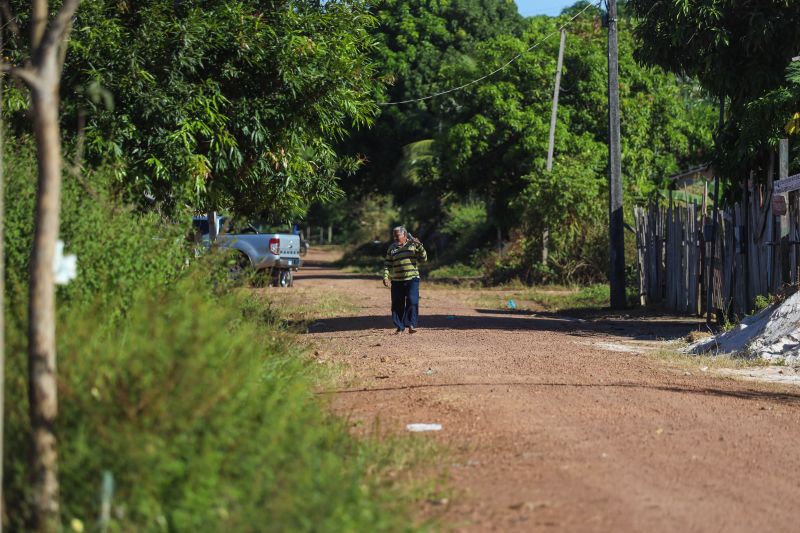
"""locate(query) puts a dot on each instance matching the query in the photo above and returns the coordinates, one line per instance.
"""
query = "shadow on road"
(498, 320)
(329, 274)
(749, 394)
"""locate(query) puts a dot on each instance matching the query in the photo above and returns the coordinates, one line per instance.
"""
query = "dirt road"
(551, 428)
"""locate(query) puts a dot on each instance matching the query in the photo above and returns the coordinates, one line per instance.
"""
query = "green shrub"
(369, 256)
(119, 251)
(189, 393)
(466, 226)
(205, 416)
(465, 219)
(458, 270)
(762, 302)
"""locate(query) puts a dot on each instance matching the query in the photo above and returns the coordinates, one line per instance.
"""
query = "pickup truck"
(276, 253)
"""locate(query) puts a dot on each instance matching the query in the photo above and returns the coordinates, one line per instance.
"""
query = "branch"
(57, 31)
(26, 74)
(10, 17)
(62, 21)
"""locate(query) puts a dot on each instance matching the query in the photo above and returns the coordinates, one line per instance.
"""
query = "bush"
(458, 270)
(205, 416)
(119, 251)
(465, 229)
(190, 394)
(369, 255)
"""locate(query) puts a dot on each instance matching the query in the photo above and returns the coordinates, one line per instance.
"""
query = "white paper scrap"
(417, 428)
(65, 267)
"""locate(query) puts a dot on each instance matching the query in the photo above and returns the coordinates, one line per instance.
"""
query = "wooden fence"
(756, 252)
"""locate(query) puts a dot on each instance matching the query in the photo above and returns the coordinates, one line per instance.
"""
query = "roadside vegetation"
(548, 298)
(195, 397)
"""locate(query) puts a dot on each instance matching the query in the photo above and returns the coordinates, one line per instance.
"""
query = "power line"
(504, 66)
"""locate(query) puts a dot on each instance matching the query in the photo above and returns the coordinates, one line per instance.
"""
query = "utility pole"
(2, 287)
(551, 147)
(616, 221)
(712, 259)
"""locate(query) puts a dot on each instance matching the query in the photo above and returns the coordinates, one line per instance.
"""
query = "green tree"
(739, 51)
(496, 145)
(222, 104)
(421, 45)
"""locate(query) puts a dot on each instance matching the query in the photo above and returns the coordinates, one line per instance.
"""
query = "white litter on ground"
(418, 428)
(773, 335)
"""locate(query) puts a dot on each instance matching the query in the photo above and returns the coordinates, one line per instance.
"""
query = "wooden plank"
(770, 231)
(740, 272)
(641, 255)
(792, 183)
(793, 235)
(689, 236)
(661, 252)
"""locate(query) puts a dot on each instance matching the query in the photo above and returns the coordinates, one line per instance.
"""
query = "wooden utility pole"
(616, 220)
(551, 146)
(2, 282)
(712, 257)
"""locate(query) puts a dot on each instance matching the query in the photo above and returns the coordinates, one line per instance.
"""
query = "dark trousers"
(405, 303)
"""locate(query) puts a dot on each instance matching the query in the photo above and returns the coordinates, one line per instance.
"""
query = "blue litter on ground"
(512, 304)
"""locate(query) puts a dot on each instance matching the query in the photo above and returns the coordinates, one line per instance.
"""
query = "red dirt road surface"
(550, 427)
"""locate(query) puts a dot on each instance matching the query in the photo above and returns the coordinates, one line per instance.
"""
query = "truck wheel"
(285, 278)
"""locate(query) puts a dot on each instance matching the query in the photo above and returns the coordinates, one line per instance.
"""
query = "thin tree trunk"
(2, 286)
(42, 311)
(42, 74)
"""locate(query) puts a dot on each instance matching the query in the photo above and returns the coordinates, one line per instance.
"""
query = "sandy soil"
(552, 427)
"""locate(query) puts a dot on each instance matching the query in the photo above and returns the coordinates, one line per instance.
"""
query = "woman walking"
(401, 267)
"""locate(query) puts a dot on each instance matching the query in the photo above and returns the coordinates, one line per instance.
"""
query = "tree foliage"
(739, 51)
(489, 141)
(420, 46)
(225, 104)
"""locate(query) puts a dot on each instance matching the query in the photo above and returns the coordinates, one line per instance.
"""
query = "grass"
(363, 269)
(548, 298)
(301, 307)
(209, 428)
(683, 360)
(455, 271)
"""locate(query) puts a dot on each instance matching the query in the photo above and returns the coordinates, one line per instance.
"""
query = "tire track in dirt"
(550, 432)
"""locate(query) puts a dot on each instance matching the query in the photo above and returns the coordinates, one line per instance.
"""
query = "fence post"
(786, 248)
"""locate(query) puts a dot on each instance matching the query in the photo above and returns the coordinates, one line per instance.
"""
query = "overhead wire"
(502, 67)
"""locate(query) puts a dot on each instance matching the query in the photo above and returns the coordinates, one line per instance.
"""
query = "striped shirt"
(401, 261)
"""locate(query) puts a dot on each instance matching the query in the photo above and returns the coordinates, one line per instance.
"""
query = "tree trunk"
(43, 399)
(499, 242)
(2, 286)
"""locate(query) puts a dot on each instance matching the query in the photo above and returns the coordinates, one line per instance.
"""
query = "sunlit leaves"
(195, 96)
